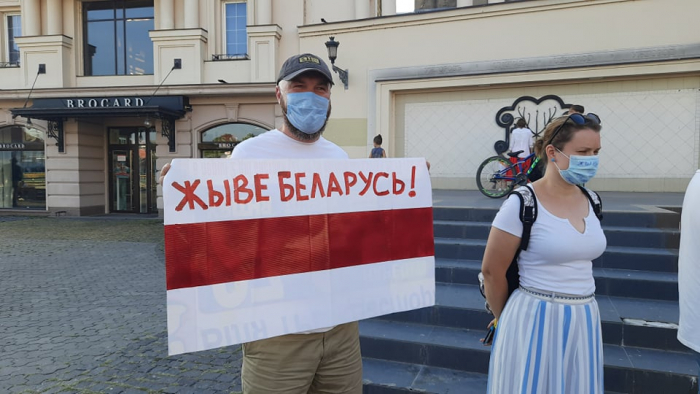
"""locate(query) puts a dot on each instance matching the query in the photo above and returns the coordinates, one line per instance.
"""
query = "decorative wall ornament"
(55, 131)
(536, 112)
(168, 130)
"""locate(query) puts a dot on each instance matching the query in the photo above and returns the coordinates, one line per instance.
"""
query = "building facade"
(97, 95)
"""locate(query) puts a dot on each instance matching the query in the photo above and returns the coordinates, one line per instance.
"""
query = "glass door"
(122, 180)
(132, 170)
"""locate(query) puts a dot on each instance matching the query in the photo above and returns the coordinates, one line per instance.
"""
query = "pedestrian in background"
(689, 270)
(521, 139)
(548, 331)
(378, 152)
(576, 109)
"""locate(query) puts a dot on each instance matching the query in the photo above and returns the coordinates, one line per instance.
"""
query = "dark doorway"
(132, 177)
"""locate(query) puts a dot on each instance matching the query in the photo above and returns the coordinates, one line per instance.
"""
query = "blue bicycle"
(497, 176)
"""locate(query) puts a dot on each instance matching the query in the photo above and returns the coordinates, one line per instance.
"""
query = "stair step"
(390, 377)
(661, 219)
(442, 347)
(609, 281)
(649, 371)
(627, 369)
(617, 257)
(625, 321)
(616, 236)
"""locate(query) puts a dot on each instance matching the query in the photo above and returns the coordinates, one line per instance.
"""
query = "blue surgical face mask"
(307, 111)
(581, 169)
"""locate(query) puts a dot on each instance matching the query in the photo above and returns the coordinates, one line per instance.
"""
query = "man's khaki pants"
(327, 362)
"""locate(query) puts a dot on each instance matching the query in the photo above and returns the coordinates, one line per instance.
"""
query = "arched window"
(22, 168)
(219, 141)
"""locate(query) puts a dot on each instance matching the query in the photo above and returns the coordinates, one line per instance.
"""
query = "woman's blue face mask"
(581, 169)
(307, 111)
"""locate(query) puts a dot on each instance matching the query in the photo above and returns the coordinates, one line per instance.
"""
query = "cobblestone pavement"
(82, 310)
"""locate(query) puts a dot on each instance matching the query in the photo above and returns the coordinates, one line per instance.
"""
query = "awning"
(55, 111)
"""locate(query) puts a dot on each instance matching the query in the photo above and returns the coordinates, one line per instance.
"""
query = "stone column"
(31, 18)
(362, 9)
(263, 12)
(263, 48)
(388, 7)
(54, 12)
(191, 14)
(465, 3)
(167, 15)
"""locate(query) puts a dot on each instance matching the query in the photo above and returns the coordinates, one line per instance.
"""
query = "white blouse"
(558, 258)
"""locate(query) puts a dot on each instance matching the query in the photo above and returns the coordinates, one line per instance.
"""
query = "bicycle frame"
(503, 174)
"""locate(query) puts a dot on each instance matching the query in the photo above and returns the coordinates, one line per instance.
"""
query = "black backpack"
(528, 215)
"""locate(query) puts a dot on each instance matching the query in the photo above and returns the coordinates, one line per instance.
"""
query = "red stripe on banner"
(208, 253)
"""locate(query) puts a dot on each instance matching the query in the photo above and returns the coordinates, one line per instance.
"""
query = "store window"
(13, 29)
(116, 37)
(236, 35)
(221, 140)
(22, 168)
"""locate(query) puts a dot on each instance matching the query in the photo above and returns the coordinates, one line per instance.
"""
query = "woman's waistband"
(557, 297)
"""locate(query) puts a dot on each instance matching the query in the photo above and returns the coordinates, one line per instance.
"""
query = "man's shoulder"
(332, 147)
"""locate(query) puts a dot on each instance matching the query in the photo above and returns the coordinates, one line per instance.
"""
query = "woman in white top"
(548, 336)
(521, 139)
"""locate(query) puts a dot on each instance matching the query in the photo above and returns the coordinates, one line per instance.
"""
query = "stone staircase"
(437, 350)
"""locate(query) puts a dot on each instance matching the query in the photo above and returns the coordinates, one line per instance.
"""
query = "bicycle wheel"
(493, 178)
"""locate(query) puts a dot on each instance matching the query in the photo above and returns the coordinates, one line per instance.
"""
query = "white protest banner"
(261, 248)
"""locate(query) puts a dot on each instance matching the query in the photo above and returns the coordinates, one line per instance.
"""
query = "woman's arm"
(500, 250)
(383, 153)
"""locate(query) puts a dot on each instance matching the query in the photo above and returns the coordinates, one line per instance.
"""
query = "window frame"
(116, 20)
(211, 146)
(6, 37)
(224, 41)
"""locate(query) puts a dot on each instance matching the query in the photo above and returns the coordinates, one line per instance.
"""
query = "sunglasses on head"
(579, 119)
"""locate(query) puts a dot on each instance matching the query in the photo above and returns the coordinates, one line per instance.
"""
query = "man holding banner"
(322, 360)
(320, 245)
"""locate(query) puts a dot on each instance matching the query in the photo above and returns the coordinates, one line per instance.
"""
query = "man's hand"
(163, 171)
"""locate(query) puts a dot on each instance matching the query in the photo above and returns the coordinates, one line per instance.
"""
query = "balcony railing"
(220, 57)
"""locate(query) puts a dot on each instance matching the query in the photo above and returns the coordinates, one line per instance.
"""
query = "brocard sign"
(261, 248)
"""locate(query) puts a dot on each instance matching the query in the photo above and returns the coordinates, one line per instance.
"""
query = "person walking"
(548, 333)
(325, 360)
(689, 270)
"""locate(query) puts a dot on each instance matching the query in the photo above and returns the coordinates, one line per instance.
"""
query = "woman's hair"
(563, 136)
(521, 123)
(378, 139)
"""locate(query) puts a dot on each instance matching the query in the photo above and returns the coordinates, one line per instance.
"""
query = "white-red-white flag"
(260, 248)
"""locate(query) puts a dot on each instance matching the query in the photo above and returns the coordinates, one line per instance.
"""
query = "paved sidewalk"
(82, 310)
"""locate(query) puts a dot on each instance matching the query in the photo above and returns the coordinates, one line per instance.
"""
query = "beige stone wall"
(76, 179)
(467, 57)
(511, 49)
(650, 135)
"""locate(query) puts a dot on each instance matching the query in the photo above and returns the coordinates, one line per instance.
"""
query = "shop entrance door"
(132, 170)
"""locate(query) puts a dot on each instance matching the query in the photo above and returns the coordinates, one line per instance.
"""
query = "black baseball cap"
(299, 64)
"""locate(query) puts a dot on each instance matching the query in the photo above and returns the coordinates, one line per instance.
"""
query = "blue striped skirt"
(547, 346)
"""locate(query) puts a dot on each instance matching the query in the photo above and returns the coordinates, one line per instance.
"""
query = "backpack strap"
(528, 213)
(595, 201)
